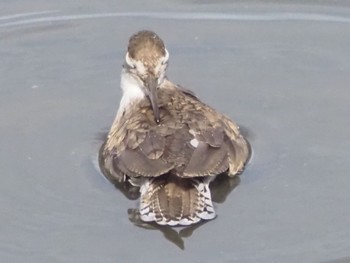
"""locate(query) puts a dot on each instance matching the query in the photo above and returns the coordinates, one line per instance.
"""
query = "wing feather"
(192, 139)
(135, 163)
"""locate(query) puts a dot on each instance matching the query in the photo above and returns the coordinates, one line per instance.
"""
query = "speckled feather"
(157, 148)
(172, 161)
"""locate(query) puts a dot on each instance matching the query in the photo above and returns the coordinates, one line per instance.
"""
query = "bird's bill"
(151, 86)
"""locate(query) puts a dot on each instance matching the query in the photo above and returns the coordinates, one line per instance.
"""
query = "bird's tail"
(171, 200)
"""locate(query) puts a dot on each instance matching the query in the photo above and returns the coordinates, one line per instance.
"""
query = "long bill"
(151, 86)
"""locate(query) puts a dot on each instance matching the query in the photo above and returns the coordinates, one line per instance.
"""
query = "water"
(281, 71)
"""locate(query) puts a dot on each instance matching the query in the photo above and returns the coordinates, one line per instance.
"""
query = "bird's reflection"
(220, 189)
(173, 234)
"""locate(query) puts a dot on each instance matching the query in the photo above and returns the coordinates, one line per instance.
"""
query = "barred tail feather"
(170, 200)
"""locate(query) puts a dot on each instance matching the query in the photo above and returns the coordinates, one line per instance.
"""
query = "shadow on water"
(220, 188)
(175, 235)
(247, 133)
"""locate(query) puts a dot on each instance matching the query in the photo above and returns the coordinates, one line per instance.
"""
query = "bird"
(166, 142)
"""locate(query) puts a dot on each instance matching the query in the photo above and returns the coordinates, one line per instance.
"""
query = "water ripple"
(9, 17)
(272, 16)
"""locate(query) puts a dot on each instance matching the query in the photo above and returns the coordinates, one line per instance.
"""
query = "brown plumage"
(146, 45)
(172, 157)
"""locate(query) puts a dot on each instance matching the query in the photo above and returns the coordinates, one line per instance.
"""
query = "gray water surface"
(282, 71)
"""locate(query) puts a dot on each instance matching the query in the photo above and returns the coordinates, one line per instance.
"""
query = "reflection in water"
(170, 233)
(220, 189)
(247, 133)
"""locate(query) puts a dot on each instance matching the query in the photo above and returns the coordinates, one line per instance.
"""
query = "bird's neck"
(132, 90)
(132, 94)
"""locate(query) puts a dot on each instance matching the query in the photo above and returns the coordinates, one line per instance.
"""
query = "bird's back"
(174, 161)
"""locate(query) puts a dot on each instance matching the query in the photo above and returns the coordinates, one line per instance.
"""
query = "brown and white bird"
(166, 141)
